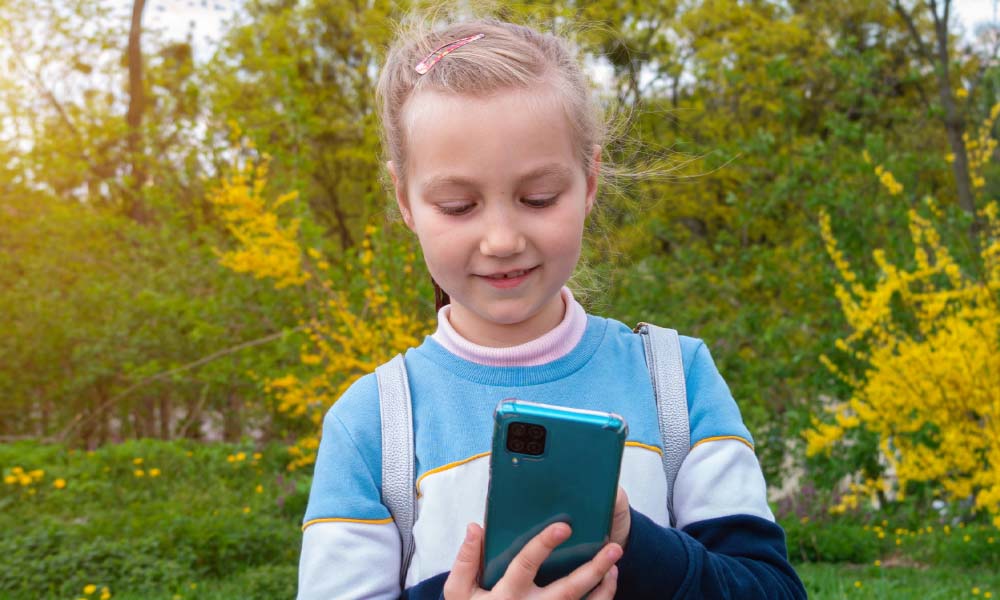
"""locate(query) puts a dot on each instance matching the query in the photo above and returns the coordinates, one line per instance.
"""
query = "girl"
(495, 154)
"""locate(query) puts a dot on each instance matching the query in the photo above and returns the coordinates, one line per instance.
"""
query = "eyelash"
(536, 203)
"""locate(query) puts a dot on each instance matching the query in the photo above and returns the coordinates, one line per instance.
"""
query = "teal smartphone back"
(550, 464)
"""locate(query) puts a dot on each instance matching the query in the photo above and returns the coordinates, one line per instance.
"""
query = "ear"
(592, 177)
(401, 200)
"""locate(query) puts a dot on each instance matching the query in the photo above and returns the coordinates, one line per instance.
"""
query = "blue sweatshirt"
(726, 543)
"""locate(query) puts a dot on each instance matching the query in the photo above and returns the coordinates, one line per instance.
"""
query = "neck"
(484, 332)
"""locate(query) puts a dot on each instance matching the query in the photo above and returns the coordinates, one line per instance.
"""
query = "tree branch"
(80, 419)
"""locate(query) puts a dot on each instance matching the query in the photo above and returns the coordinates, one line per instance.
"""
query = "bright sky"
(973, 12)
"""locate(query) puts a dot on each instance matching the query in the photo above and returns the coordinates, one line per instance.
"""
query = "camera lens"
(517, 429)
(517, 445)
(534, 448)
(536, 432)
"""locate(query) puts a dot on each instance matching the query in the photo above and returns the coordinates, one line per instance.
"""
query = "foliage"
(147, 516)
(925, 341)
(356, 319)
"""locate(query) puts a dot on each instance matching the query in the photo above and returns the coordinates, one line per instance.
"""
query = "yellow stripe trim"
(342, 520)
(723, 437)
(656, 449)
(448, 466)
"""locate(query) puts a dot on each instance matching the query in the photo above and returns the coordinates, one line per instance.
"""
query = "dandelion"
(975, 591)
(241, 456)
(257, 456)
(89, 589)
(154, 472)
(139, 473)
(231, 458)
(137, 461)
(878, 563)
(966, 538)
(857, 584)
(105, 593)
(10, 479)
(246, 510)
(259, 489)
(59, 483)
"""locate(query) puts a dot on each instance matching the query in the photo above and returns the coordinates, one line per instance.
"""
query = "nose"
(502, 237)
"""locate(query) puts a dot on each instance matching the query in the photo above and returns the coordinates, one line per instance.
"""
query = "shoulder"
(693, 350)
(712, 410)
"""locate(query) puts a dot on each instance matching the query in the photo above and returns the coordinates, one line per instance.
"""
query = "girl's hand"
(598, 579)
(622, 521)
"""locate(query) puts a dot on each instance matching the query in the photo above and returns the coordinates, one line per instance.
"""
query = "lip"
(511, 282)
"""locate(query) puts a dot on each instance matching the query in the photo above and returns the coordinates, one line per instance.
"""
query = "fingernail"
(468, 533)
(561, 531)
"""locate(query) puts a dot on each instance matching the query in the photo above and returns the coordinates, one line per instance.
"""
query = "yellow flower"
(241, 456)
(105, 593)
(246, 510)
(975, 591)
(36, 474)
(961, 93)
(139, 473)
(257, 455)
(878, 563)
(154, 472)
(857, 584)
(136, 461)
(59, 483)
(89, 589)
(231, 458)
(259, 489)
(10, 479)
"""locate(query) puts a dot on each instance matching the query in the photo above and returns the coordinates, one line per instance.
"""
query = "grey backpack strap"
(397, 453)
(666, 371)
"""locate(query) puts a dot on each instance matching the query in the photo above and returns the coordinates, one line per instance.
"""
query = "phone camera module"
(526, 438)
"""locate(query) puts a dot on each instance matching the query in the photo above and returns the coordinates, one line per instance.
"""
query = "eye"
(454, 208)
(540, 202)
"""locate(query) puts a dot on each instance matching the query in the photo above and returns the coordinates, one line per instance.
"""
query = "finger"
(622, 520)
(590, 574)
(608, 587)
(461, 581)
(520, 575)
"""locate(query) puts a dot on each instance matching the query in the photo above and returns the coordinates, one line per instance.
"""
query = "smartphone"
(550, 464)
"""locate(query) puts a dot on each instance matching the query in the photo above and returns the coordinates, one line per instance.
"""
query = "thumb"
(463, 579)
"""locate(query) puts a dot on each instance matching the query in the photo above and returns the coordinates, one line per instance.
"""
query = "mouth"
(510, 274)
(509, 279)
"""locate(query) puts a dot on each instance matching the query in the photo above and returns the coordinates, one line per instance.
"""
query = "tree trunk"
(954, 122)
(133, 119)
(232, 425)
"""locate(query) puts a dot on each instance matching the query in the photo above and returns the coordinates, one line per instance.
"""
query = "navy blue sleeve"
(428, 589)
(738, 556)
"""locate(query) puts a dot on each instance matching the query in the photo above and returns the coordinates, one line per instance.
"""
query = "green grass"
(826, 581)
(221, 522)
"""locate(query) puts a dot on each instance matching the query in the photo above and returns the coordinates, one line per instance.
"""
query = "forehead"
(490, 141)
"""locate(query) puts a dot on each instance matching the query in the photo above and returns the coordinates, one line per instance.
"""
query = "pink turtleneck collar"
(556, 343)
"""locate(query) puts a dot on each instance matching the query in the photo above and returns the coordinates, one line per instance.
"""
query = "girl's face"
(497, 197)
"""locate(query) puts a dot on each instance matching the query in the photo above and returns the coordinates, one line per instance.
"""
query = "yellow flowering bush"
(927, 339)
(354, 321)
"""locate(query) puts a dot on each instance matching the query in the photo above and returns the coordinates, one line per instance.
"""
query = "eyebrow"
(552, 169)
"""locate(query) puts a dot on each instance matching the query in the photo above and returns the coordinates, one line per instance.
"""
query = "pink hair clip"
(432, 59)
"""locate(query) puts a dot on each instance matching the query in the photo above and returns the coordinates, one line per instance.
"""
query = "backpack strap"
(666, 371)
(397, 453)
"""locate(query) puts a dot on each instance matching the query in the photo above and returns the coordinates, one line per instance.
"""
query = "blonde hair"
(508, 57)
